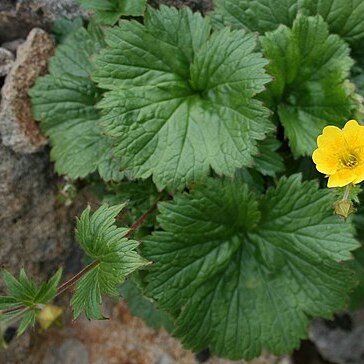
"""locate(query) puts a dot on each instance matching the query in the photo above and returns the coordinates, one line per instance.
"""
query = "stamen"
(349, 160)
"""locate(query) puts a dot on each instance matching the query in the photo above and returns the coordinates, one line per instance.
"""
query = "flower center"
(350, 160)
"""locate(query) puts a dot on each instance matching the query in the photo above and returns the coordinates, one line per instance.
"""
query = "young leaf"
(109, 11)
(309, 68)
(64, 103)
(48, 290)
(245, 274)
(113, 255)
(179, 105)
(28, 320)
(25, 295)
(24, 291)
(6, 303)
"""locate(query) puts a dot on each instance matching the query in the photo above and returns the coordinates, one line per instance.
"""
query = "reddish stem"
(13, 309)
(141, 220)
(68, 284)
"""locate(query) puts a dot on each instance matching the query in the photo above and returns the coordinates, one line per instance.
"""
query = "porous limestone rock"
(17, 126)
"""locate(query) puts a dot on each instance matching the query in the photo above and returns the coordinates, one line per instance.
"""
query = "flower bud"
(48, 316)
(344, 208)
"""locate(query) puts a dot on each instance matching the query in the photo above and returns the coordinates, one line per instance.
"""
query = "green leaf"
(64, 103)
(114, 257)
(6, 303)
(144, 307)
(22, 289)
(309, 68)
(63, 27)
(256, 15)
(343, 16)
(181, 99)
(28, 320)
(245, 273)
(139, 195)
(48, 290)
(25, 292)
(357, 264)
(109, 11)
(231, 13)
(358, 78)
(268, 161)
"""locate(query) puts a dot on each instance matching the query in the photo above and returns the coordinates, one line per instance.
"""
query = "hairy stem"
(347, 192)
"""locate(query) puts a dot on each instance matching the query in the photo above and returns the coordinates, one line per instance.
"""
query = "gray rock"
(71, 351)
(17, 126)
(53, 9)
(13, 45)
(6, 61)
(34, 229)
(340, 341)
(36, 232)
(18, 17)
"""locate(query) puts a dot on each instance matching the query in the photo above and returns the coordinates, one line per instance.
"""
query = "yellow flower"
(340, 154)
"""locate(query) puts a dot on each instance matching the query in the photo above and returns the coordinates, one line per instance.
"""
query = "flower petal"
(353, 134)
(341, 178)
(359, 172)
(330, 139)
(325, 162)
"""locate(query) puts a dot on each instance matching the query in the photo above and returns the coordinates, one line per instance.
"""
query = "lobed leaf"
(181, 100)
(114, 256)
(309, 67)
(344, 18)
(244, 273)
(64, 103)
